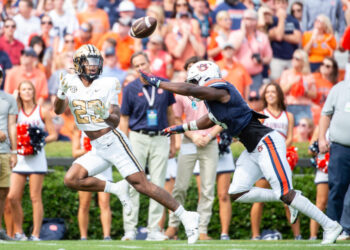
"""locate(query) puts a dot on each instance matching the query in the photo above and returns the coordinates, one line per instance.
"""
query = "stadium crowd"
(284, 57)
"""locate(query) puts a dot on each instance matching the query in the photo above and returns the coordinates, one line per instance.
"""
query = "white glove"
(62, 88)
(101, 110)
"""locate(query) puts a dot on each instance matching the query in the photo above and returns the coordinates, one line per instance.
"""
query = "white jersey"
(31, 164)
(103, 90)
(278, 123)
(34, 118)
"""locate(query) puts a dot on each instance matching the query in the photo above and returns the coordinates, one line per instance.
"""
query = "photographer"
(252, 49)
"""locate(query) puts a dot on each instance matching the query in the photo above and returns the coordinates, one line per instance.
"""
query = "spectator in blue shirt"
(111, 8)
(285, 36)
(146, 111)
(5, 64)
(110, 65)
(235, 8)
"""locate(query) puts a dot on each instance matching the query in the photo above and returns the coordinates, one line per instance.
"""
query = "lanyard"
(151, 99)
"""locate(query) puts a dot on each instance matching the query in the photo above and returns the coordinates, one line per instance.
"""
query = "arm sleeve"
(13, 106)
(125, 108)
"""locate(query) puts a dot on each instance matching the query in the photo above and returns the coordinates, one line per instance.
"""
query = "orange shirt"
(124, 48)
(214, 44)
(321, 48)
(98, 18)
(141, 4)
(236, 75)
(323, 88)
(17, 74)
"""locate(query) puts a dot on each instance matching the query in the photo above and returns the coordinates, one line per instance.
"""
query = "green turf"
(212, 245)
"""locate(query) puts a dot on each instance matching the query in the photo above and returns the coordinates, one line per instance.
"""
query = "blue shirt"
(114, 72)
(284, 50)
(5, 63)
(135, 105)
(111, 9)
(236, 13)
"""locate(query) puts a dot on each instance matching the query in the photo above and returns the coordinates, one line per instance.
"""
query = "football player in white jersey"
(93, 101)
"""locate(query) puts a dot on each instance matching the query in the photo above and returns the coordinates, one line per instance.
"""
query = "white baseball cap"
(126, 5)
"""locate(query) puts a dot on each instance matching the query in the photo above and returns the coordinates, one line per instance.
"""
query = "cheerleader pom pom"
(37, 138)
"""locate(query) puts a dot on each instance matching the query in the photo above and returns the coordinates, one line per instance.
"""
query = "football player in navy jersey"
(265, 154)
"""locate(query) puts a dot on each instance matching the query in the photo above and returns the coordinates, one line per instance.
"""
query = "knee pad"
(288, 197)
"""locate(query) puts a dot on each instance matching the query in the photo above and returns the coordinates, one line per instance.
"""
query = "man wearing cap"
(8, 147)
(9, 44)
(146, 111)
(234, 72)
(161, 61)
(27, 71)
(110, 65)
(97, 17)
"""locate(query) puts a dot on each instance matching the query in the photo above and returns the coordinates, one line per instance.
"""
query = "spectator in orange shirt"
(325, 79)
(184, 40)
(219, 35)
(85, 35)
(234, 72)
(97, 17)
(319, 42)
(27, 71)
(126, 45)
(299, 87)
(160, 60)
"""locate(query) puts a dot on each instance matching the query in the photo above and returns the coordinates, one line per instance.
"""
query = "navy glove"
(173, 130)
(151, 80)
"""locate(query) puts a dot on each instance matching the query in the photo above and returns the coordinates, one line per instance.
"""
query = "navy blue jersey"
(236, 116)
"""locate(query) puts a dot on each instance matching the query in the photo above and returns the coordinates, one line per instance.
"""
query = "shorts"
(320, 177)
(171, 170)
(5, 170)
(225, 164)
(113, 148)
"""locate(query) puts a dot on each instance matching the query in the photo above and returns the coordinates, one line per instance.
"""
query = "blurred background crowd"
(281, 55)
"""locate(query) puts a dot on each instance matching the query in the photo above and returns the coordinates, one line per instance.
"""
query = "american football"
(143, 27)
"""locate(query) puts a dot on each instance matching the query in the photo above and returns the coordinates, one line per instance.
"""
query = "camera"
(257, 57)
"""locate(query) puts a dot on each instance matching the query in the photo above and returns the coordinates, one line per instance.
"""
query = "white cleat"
(129, 235)
(156, 236)
(122, 191)
(330, 235)
(190, 222)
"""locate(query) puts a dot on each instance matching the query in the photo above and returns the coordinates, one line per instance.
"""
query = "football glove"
(151, 80)
(101, 110)
(62, 88)
(173, 130)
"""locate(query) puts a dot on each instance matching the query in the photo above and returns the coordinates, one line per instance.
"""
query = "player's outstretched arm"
(202, 123)
(60, 105)
(188, 89)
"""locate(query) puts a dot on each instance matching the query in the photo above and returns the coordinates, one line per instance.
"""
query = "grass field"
(212, 245)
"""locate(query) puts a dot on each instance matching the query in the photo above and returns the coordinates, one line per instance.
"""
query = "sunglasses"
(297, 58)
(10, 26)
(328, 66)
(304, 125)
(48, 22)
(297, 10)
(181, 4)
(69, 41)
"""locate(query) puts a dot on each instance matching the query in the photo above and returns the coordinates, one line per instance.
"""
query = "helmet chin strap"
(89, 78)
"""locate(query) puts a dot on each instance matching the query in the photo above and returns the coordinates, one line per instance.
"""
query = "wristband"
(61, 95)
(193, 125)
(14, 152)
(185, 127)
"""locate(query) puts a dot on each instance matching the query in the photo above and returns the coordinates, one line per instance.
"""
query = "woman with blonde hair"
(298, 86)
(219, 35)
(30, 165)
(157, 12)
(265, 18)
(319, 42)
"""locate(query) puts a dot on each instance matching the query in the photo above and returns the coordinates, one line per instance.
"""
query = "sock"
(108, 187)
(257, 194)
(305, 206)
(179, 212)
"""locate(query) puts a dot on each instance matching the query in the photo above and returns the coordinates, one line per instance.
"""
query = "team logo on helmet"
(202, 67)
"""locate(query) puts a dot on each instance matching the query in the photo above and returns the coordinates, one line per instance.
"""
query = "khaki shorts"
(5, 170)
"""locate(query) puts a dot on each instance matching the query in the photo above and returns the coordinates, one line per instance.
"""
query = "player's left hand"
(101, 110)
(173, 130)
(151, 80)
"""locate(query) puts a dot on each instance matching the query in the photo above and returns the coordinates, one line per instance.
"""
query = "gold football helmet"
(88, 62)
